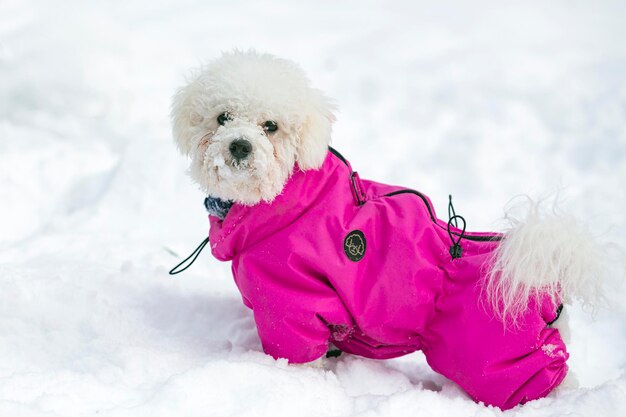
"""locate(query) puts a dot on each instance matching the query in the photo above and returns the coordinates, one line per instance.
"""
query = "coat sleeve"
(293, 305)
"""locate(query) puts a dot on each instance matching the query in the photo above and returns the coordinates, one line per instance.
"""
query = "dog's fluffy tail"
(544, 253)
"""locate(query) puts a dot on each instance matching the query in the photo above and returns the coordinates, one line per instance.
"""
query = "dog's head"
(245, 120)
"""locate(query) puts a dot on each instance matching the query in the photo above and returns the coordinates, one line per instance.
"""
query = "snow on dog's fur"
(542, 253)
(252, 89)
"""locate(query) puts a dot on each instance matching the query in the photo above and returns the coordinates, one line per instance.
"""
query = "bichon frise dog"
(322, 257)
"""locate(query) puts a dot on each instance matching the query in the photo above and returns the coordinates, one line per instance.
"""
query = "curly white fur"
(252, 88)
(545, 252)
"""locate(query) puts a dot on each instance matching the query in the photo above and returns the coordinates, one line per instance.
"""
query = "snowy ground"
(471, 98)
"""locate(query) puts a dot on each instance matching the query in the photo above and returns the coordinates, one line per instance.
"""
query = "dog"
(323, 257)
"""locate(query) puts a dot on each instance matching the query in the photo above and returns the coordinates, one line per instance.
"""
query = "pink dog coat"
(368, 267)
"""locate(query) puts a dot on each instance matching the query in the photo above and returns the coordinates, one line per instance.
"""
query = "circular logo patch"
(354, 245)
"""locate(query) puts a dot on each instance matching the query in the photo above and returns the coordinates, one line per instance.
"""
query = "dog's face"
(245, 120)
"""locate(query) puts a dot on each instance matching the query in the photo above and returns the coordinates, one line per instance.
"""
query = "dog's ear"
(185, 120)
(314, 135)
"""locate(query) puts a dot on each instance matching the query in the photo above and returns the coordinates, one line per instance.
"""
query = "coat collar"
(217, 207)
(245, 226)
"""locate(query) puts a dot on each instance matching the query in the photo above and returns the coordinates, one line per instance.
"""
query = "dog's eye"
(270, 126)
(223, 118)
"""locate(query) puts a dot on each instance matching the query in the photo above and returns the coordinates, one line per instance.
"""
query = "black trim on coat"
(482, 238)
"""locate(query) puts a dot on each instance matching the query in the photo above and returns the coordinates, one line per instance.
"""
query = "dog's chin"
(247, 183)
(248, 190)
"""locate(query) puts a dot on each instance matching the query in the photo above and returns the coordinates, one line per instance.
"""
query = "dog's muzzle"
(240, 149)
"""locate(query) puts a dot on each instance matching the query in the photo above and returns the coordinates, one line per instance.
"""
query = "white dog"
(301, 228)
(245, 121)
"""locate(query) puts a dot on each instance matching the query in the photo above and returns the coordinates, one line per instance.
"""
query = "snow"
(483, 100)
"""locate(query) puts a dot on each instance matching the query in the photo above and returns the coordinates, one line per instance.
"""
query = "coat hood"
(245, 226)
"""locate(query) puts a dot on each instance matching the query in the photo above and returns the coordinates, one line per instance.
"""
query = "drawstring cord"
(456, 251)
(215, 207)
(196, 252)
(451, 212)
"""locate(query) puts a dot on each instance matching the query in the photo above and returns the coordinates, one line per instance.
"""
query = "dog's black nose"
(240, 149)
